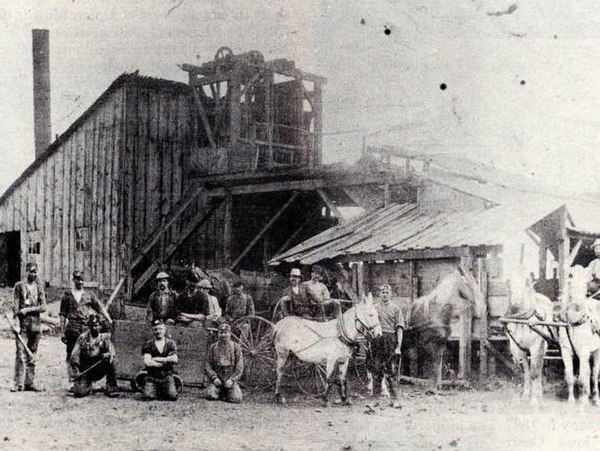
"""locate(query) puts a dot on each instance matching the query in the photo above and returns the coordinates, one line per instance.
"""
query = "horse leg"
(520, 357)
(595, 372)
(282, 356)
(537, 363)
(584, 377)
(343, 388)
(369, 383)
(567, 358)
(330, 367)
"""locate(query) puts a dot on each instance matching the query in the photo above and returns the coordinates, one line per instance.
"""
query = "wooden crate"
(192, 346)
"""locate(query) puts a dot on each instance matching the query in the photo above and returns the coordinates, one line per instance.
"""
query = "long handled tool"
(18, 335)
(87, 370)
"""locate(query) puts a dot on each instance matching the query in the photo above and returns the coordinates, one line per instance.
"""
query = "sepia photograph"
(299, 225)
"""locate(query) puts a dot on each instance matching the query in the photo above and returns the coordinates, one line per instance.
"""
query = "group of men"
(90, 353)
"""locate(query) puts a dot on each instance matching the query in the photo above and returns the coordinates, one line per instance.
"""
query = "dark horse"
(429, 316)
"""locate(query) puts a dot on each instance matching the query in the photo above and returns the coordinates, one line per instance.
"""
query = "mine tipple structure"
(222, 172)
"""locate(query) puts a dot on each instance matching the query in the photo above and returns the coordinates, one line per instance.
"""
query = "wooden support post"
(465, 339)
(482, 280)
(235, 110)
(270, 119)
(263, 230)
(542, 258)
(318, 126)
(564, 248)
(204, 118)
(386, 194)
(355, 276)
(227, 230)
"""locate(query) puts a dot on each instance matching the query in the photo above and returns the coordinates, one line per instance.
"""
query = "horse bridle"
(362, 328)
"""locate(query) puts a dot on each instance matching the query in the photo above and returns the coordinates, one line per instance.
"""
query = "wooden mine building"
(222, 172)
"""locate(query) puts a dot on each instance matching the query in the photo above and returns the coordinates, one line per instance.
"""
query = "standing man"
(160, 358)
(380, 359)
(76, 306)
(29, 302)
(93, 358)
(295, 297)
(224, 368)
(161, 304)
(239, 304)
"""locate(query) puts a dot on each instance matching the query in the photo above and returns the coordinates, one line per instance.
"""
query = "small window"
(34, 240)
(82, 239)
(33, 247)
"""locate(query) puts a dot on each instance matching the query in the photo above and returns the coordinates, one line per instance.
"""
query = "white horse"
(526, 341)
(329, 343)
(582, 336)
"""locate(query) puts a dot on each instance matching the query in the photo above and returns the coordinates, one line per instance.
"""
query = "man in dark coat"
(29, 302)
(295, 297)
(161, 304)
(93, 358)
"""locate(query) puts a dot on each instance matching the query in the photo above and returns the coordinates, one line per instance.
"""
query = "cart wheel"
(311, 378)
(255, 336)
(357, 368)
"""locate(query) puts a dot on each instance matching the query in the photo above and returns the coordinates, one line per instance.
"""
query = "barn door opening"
(10, 258)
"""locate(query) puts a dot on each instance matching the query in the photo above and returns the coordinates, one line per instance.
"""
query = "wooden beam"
(263, 230)
(179, 209)
(145, 277)
(329, 203)
(113, 295)
(419, 254)
(542, 258)
(289, 241)
(482, 281)
(466, 329)
(204, 119)
(574, 252)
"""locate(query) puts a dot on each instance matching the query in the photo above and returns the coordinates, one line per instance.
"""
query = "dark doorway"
(10, 258)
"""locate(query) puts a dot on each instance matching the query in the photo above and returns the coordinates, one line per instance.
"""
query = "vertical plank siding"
(76, 187)
(113, 178)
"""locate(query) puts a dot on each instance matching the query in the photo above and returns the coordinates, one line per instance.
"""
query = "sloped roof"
(139, 80)
(400, 227)
(584, 213)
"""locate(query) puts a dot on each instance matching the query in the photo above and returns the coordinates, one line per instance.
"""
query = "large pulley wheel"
(255, 336)
(222, 54)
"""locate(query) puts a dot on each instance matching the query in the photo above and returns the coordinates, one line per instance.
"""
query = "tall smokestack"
(41, 90)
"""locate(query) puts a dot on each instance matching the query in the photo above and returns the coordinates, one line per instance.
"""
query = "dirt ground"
(455, 420)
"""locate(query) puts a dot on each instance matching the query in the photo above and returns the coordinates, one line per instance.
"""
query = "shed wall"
(69, 203)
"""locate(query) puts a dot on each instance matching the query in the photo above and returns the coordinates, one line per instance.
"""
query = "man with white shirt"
(76, 306)
(160, 358)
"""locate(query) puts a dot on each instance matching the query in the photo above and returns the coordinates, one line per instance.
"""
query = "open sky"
(520, 77)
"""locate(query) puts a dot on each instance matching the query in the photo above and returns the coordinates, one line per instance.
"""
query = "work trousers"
(160, 388)
(380, 361)
(24, 364)
(83, 385)
(232, 394)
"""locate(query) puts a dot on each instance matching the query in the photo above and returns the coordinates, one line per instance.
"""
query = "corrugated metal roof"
(400, 227)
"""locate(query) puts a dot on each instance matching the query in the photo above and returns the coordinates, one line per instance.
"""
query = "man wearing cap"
(224, 368)
(295, 297)
(76, 305)
(93, 358)
(380, 359)
(593, 271)
(239, 304)
(192, 304)
(160, 358)
(29, 301)
(161, 304)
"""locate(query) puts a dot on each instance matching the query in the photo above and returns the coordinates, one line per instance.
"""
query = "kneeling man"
(224, 368)
(160, 357)
(93, 358)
